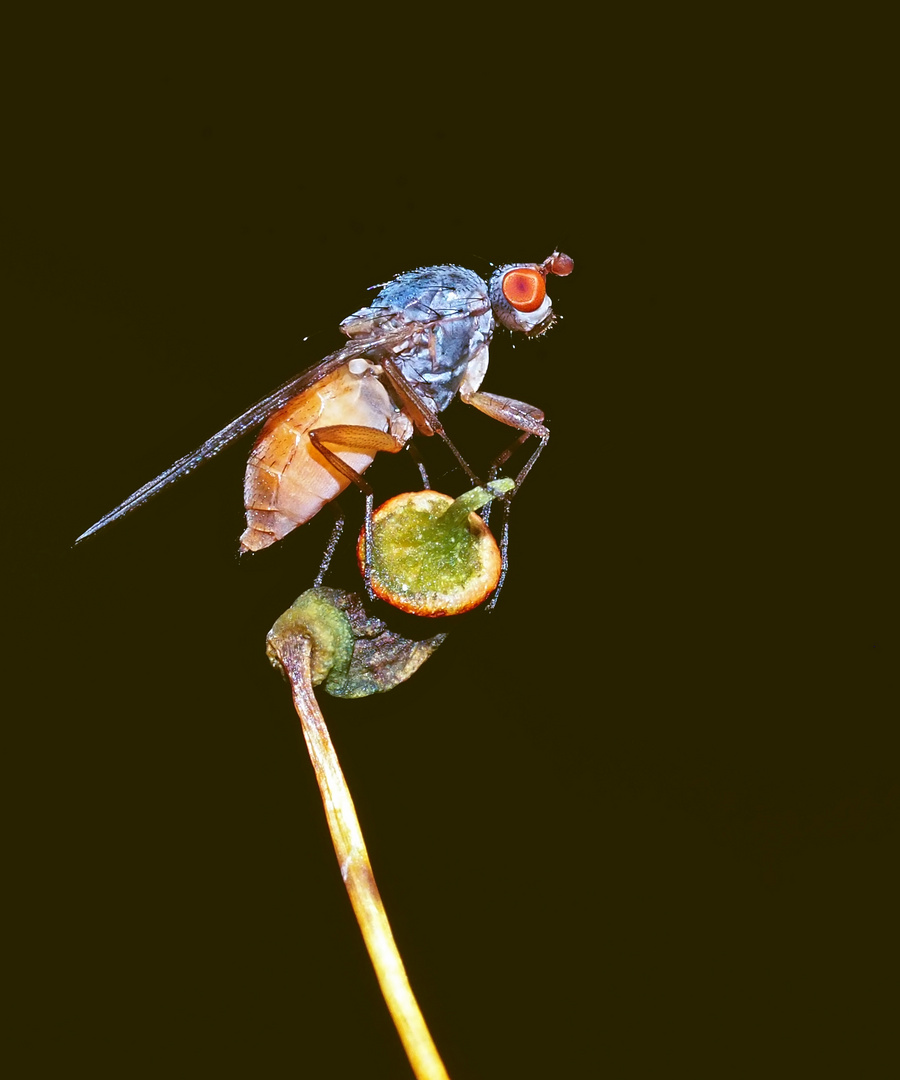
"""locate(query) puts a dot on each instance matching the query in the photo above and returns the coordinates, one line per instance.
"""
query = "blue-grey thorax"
(447, 313)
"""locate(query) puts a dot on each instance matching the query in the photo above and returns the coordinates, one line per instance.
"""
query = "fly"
(423, 340)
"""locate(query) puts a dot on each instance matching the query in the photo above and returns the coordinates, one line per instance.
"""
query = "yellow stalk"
(295, 656)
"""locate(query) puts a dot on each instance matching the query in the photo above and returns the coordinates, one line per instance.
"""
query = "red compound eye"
(524, 288)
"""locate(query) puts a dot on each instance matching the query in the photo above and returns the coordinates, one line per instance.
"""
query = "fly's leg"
(498, 463)
(528, 419)
(336, 532)
(420, 465)
(368, 440)
(501, 459)
(424, 418)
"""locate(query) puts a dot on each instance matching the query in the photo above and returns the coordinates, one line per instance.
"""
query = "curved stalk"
(295, 656)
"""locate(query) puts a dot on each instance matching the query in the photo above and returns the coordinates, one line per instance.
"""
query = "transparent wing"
(243, 423)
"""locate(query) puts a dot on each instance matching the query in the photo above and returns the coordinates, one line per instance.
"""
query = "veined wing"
(243, 423)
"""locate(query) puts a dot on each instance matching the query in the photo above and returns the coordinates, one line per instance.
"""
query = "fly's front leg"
(420, 412)
(367, 440)
(528, 420)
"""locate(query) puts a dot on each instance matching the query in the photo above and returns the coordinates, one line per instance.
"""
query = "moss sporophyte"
(431, 554)
(352, 654)
(325, 638)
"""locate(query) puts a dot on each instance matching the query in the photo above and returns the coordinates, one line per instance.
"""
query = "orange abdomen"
(287, 480)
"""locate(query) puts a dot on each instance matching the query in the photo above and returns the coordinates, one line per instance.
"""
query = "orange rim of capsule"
(424, 569)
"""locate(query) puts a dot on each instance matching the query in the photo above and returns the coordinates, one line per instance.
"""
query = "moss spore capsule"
(432, 555)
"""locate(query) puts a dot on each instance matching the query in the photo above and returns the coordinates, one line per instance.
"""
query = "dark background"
(645, 814)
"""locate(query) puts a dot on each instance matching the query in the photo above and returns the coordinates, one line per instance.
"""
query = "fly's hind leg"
(337, 531)
(367, 440)
(528, 420)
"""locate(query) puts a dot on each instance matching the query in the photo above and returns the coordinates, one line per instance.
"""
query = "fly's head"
(519, 297)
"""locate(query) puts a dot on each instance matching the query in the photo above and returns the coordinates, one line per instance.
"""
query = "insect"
(423, 340)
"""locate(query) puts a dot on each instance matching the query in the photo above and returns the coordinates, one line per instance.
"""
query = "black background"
(642, 816)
